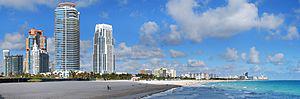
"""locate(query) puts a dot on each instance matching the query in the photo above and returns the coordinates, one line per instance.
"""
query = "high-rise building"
(67, 37)
(13, 65)
(5, 53)
(103, 55)
(36, 50)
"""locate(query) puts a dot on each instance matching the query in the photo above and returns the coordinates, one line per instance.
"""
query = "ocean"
(269, 89)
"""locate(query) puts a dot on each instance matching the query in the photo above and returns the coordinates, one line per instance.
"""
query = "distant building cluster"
(199, 76)
(160, 72)
(66, 47)
(245, 76)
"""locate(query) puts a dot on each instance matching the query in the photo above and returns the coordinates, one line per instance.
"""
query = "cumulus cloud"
(32, 5)
(270, 21)
(231, 54)
(174, 37)
(25, 4)
(130, 66)
(137, 52)
(253, 56)
(13, 41)
(85, 3)
(244, 56)
(86, 60)
(292, 34)
(235, 17)
(277, 59)
(51, 45)
(176, 54)
(148, 30)
(192, 62)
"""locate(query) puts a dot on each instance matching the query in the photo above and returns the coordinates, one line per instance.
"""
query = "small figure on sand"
(108, 87)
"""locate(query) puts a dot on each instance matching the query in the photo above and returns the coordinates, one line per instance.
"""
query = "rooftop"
(66, 4)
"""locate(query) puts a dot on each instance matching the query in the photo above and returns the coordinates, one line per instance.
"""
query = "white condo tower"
(103, 54)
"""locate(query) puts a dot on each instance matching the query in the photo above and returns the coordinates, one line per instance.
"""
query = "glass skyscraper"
(103, 55)
(67, 37)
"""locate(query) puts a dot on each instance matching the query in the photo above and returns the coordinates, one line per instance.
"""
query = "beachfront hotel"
(67, 37)
(37, 58)
(103, 54)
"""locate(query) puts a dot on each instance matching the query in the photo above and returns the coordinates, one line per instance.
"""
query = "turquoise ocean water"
(270, 89)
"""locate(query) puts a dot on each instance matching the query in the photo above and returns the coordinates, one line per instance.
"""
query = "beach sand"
(120, 89)
(80, 89)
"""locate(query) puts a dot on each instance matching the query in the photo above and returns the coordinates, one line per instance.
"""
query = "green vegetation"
(75, 75)
(35, 80)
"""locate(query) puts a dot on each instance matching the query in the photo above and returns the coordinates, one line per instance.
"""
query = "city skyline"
(213, 36)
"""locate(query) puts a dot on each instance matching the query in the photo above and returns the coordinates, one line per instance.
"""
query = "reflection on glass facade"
(103, 55)
(67, 37)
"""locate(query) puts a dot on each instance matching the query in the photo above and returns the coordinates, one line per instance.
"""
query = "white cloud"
(86, 53)
(192, 62)
(85, 3)
(253, 56)
(13, 41)
(270, 21)
(51, 45)
(231, 54)
(237, 16)
(174, 37)
(25, 4)
(104, 15)
(244, 56)
(176, 54)
(148, 31)
(256, 68)
(137, 52)
(32, 5)
(292, 34)
(135, 14)
(277, 59)
(297, 68)
(123, 2)
(130, 66)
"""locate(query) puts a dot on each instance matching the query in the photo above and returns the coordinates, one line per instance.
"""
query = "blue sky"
(226, 37)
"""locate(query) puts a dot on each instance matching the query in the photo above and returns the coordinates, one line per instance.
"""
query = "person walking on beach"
(108, 87)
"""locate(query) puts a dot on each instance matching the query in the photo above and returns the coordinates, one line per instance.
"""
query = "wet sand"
(81, 89)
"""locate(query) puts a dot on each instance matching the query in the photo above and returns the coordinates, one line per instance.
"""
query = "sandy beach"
(120, 89)
(80, 89)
